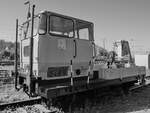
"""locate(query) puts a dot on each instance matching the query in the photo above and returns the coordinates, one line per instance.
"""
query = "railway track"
(137, 86)
(20, 103)
(38, 100)
(29, 102)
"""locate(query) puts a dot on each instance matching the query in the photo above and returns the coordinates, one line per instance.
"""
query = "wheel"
(142, 80)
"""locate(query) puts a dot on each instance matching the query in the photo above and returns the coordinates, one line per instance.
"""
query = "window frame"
(54, 34)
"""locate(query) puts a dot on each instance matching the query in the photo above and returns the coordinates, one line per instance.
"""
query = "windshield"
(61, 26)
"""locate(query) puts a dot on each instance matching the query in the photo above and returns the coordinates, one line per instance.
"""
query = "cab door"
(83, 45)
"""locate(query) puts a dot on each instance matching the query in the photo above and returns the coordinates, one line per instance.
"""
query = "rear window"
(61, 26)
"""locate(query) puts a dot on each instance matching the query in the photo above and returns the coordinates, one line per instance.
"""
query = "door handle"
(75, 48)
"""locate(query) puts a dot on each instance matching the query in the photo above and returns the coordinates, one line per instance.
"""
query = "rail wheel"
(142, 80)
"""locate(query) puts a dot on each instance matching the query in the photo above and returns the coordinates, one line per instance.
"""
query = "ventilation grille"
(57, 71)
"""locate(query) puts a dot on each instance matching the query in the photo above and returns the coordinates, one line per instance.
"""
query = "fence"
(6, 77)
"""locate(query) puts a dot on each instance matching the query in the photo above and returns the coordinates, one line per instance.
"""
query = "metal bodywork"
(120, 73)
(143, 60)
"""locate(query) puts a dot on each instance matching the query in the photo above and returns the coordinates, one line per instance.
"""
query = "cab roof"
(57, 14)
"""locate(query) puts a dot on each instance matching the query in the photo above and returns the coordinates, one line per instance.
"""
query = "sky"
(113, 19)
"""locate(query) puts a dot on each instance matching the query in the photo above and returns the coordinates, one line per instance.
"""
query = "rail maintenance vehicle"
(58, 58)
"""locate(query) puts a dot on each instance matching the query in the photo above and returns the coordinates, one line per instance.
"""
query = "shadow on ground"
(135, 101)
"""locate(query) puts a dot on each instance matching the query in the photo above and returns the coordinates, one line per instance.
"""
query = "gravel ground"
(9, 94)
(137, 101)
(37, 108)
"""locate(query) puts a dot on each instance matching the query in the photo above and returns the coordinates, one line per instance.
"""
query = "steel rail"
(147, 83)
(20, 103)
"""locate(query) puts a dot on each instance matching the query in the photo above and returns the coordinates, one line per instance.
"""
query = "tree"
(6, 54)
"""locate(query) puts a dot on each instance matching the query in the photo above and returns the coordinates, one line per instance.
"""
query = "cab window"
(83, 30)
(84, 33)
(42, 24)
(39, 26)
(61, 26)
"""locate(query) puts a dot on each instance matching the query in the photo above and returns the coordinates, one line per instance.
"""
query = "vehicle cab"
(61, 45)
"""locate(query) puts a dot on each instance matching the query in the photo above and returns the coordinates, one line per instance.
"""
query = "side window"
(83, 30)
(61, 26)
(84, 33)
(35, 27)
(42, 24)
(26, 50)
(27, 27)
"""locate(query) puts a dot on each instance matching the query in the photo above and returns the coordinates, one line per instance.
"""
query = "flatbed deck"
(53, 92)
